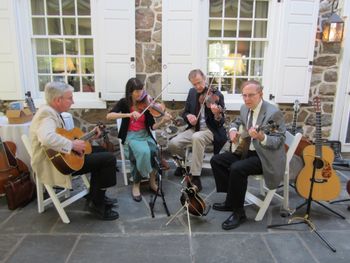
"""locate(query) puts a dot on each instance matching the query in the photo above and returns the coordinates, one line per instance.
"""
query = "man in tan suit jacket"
(101, 164)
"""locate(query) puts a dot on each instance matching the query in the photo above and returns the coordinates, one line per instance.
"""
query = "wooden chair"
(54, 197)
(292, 142)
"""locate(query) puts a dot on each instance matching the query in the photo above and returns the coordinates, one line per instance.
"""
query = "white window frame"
(27, 60)
(234, 101)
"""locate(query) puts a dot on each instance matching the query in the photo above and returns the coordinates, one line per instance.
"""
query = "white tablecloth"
(13, 133)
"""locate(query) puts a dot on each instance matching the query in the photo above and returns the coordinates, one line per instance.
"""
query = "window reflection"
(237, 37)
(61, 53)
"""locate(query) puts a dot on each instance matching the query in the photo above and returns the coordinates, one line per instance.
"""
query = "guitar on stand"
(326, 185)
(317, 180)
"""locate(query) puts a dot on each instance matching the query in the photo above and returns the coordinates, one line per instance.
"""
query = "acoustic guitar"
(69, 163)
(326, 184)
(304, 141)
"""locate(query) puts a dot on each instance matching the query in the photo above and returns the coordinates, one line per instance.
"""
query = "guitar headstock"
(296, 105)
(317, 104)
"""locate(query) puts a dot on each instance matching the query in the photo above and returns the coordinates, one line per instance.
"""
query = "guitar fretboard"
(318, 135)
(88, 136)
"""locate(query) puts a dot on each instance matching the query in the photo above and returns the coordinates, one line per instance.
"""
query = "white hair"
(56, 89)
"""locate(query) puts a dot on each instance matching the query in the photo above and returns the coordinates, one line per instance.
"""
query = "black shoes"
(106, 200)
(103, 212)
(196, 180)
(222, 207)
(234, 220)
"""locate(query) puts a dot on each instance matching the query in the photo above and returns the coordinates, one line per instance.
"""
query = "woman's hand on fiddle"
(192, 119)
(135, 115)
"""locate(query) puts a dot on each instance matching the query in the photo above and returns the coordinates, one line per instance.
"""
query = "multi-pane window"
(62, 42)
(237, 36)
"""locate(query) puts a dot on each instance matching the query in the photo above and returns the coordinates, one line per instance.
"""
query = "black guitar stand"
(307, 218)
(159, 190)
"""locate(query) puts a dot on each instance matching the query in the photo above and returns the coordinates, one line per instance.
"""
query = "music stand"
(318, 163)
(159, 190)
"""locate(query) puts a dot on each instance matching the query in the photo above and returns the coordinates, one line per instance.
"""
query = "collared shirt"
(255, 118)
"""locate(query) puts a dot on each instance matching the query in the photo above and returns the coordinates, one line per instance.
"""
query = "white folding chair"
(125, 163)
(53, 196)
(292, 142)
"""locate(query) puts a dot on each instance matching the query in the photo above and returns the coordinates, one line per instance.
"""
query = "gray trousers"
(199, 140)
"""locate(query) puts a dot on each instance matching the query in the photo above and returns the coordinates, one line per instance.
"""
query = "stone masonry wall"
(148, 69)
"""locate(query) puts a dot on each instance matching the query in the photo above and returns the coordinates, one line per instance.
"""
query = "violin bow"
(206, 95)
(154, 100)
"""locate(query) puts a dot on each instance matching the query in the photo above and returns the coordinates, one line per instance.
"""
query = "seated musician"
(265, 155)
(140, 146)
(205, 126)
(101, 165)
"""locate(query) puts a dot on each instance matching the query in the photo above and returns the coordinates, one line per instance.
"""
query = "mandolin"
(9, 164)
(304, 141)
(68, 163)
(196, 204)
(326, 185)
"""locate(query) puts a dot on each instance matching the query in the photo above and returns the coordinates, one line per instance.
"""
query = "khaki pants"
(199, 140)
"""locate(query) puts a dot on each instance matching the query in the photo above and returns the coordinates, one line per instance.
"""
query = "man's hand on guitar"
(258, 135)
(79, 146)
(234, 136)
(97, 132)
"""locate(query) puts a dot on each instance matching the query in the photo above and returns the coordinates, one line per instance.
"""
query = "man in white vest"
(43, 135)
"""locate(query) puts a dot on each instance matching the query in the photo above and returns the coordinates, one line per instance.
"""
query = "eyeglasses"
(245, 96)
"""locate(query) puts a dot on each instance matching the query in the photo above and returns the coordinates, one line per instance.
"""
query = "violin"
(146, 102)
(210, 97)
(9, 164)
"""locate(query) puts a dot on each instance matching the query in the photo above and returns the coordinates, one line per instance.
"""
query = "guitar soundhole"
(318, 163)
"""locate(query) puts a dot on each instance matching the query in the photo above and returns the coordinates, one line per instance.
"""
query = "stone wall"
(148, 69)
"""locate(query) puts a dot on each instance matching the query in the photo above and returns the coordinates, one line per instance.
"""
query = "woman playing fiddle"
(135, 133)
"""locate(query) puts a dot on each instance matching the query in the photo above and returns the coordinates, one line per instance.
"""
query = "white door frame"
(342, 100)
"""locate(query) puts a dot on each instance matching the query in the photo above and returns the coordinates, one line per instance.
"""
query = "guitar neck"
(294, 124)
(88, 135)
(318, 136)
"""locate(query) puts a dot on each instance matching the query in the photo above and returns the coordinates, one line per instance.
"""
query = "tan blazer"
(43, 135)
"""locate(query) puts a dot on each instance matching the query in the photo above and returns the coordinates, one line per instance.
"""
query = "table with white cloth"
(13, 133)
